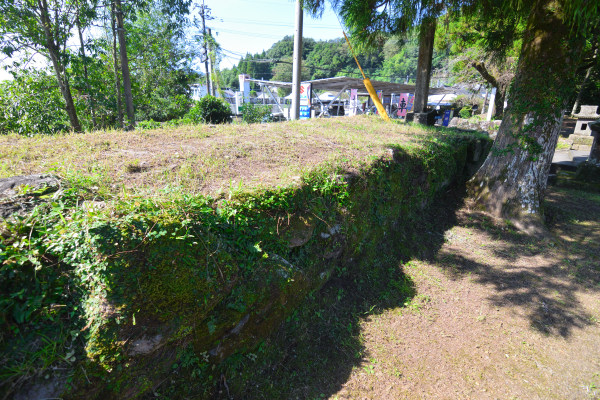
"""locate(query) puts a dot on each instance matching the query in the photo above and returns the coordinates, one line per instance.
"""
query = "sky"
(251, 26)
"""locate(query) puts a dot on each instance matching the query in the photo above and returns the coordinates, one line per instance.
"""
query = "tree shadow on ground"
(320, 344)
(318, 347)
(538, 279)
(314, 352)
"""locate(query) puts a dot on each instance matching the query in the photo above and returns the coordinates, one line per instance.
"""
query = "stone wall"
(490, 127)
(219, 275)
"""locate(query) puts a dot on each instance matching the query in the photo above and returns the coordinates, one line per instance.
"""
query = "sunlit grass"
(205, 158)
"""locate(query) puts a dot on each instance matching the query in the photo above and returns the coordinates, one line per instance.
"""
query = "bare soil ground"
(496, 315)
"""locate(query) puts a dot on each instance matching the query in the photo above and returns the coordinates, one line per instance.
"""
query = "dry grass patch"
(205, 159)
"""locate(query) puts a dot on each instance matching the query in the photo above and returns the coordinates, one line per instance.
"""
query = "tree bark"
(124, 65)
(512, 180)
(426, 38)
(118, 95)
(54, 52)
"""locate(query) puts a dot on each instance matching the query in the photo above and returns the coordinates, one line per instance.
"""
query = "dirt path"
(496, 315)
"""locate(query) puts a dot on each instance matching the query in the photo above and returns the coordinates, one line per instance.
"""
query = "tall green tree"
(176, 9)
(476, 56)
(117, 10)
(513, 178)
(24, 111)
(158, 49)
(44, 27)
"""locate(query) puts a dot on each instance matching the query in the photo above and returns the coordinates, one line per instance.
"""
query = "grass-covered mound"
(129, 276)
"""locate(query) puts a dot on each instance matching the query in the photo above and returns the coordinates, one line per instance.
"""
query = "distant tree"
(230, 78)
(283, 71)
(329, 58)
(163, 66)
(400, 59)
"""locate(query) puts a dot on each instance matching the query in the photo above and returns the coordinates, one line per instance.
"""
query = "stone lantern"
(582, 138)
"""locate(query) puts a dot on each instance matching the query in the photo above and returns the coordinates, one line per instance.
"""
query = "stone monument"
(581, 138)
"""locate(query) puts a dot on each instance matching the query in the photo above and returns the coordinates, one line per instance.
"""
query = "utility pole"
(297, 67)
(208, 89)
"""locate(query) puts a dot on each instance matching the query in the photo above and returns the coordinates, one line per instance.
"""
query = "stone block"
(582, 127)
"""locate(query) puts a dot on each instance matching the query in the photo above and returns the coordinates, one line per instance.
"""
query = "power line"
(263, 23)
(254, 34)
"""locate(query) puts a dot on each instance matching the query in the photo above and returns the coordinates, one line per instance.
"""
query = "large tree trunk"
(125, 65)
(426, 38)
(53, 52)
(512, 180)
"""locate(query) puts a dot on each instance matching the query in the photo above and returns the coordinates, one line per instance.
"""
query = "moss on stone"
(218, 277)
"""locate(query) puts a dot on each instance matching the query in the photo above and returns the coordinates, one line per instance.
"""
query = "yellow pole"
(368, 85)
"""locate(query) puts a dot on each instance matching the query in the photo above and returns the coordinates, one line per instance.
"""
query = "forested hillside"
(396, 62)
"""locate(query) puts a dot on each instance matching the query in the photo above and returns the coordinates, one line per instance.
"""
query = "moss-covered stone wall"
(219, 275)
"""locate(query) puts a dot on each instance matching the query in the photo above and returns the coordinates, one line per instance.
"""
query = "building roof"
(338, 83)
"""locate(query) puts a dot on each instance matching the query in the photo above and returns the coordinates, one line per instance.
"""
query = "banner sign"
(380, 94)
(411, 101)
(305, 96)
(403, 105)
(304, 112)
(447, 117)
(353, 101)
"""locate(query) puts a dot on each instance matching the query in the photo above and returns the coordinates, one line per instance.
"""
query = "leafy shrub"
(253, 113)
(465, 112)
(150, 124)
(32, 104)
(210, 110)
(162, 109)
(173, 123)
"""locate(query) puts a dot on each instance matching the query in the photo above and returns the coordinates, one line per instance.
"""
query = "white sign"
(305, 94)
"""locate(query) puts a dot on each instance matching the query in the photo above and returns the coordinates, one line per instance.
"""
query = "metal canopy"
(339, 83)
